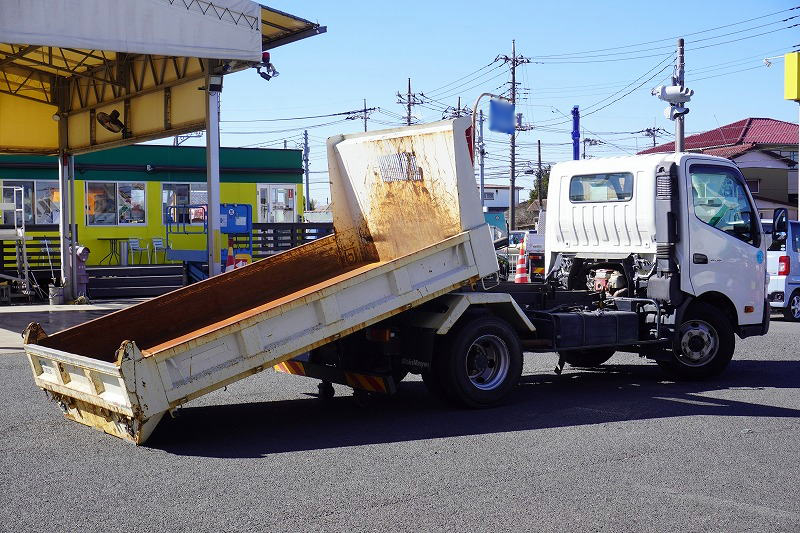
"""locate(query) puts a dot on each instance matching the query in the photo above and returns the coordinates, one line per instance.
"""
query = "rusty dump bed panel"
(408, 227)
(198, 308)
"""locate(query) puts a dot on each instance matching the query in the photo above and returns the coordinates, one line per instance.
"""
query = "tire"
(588, 358)
(792, 311)
(703, 344)
(480, 362)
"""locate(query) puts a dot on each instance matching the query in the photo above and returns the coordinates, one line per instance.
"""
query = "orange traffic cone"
(521, 272)
(230, 261)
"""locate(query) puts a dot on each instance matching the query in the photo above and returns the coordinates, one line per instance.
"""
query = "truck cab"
(679, 229)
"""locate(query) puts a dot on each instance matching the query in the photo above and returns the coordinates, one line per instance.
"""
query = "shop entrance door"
(276, 202)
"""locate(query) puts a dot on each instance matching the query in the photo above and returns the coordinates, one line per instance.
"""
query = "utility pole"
(481, 153)
(515, 61)
(365, 114)
(590, 142)
(677, 95)
(677, 79)
(539, 177)
(409, 100)
(651, 132)
(305, 167)
(455, 112)
(408, 104)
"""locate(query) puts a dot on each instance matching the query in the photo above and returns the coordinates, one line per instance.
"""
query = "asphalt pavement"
(618, 449)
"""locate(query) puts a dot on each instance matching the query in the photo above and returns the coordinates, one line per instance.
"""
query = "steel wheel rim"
(794, 306)
(698, 342)
(487, 362)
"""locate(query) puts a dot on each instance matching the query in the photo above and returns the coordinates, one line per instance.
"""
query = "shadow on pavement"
(51, 321)
(612, 394)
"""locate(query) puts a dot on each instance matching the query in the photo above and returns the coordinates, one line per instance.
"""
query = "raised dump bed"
(408, 228)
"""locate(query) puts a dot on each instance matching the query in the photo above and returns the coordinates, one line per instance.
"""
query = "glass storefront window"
(27, 200)
(183, 194)
(101, 204)
(48, 202)
(131, 203)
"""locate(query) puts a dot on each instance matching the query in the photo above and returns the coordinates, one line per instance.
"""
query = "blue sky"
(371, 48)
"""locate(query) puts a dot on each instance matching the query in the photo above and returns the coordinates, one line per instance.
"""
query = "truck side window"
(720, 200)
(615, 187)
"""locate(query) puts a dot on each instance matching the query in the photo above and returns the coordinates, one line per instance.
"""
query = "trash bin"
(56, 295)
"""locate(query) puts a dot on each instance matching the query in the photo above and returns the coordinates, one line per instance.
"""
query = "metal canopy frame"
(74, 84)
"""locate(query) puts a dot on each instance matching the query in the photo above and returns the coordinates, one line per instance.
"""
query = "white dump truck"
(658, 255)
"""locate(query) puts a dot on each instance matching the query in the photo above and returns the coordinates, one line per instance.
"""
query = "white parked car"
(783, 265)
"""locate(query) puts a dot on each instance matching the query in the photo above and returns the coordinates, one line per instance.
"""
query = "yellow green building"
(127, 192)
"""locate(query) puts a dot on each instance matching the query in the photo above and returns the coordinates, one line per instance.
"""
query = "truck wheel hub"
(487, 362)
(698, 342)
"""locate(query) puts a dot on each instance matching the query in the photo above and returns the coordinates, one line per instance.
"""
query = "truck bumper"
(751, 330)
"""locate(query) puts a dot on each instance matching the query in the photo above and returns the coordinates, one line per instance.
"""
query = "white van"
(783, 265)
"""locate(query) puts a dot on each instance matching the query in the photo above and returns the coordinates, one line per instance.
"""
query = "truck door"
(725, 252)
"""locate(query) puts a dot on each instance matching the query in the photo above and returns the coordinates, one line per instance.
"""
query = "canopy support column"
(73, 229)
(64, 222)
(214, 88)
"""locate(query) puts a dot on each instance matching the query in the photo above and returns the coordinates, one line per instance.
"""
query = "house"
(129, 192)
(496, 201)
(764, 149)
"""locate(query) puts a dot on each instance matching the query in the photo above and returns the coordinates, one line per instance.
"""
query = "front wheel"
(703, 344)
(792, 311)
(480, 362)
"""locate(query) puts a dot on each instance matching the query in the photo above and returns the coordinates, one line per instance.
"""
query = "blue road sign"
(501, 116)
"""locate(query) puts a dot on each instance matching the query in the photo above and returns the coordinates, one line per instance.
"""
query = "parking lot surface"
(618, 449)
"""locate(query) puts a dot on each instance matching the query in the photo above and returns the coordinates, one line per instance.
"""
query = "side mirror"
(780, 220)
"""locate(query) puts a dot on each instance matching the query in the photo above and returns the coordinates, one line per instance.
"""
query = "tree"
(545, 180)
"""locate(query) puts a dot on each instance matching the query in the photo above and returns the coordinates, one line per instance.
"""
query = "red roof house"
(764, 149)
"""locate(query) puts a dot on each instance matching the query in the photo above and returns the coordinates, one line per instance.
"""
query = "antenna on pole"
(677, 95)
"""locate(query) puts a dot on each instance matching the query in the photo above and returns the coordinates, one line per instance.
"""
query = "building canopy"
(68, 66)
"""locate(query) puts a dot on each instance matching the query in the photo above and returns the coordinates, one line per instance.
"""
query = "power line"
(462, 77)
(297, 118)
(669, 38)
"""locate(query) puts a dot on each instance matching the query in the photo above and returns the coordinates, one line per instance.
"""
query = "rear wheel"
(588, 358)
(703, 344)
(792, 311)
(480, 362)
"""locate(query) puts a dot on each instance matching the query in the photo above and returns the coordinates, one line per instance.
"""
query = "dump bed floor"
(202, 307)
(147, 351)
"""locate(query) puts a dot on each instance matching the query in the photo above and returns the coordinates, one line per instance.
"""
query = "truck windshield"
(720, 200)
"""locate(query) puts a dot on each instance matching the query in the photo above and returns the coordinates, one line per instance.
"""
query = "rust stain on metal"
(406, 215)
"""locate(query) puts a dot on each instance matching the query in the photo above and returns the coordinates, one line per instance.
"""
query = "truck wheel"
(481, 362)
(703, 344)
(792, 311)
(589, 358)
